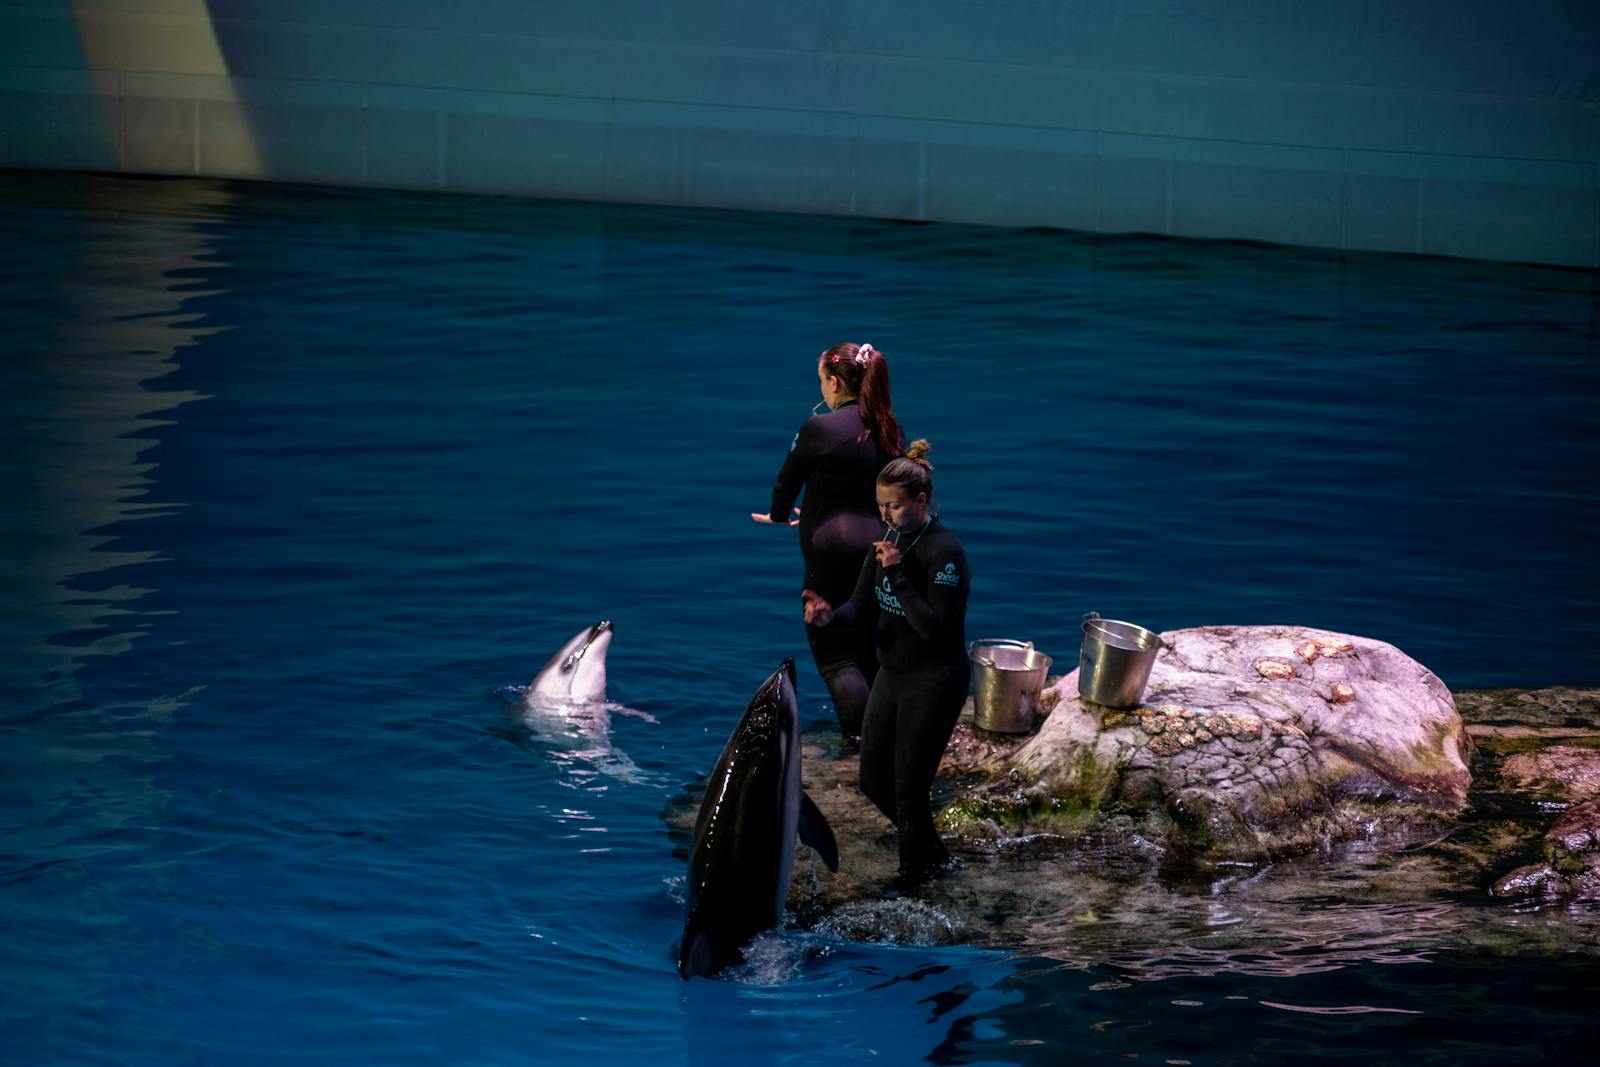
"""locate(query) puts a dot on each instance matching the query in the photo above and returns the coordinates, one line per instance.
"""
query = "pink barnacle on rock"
(1341, 693)
(1307, 651)
(1274, 669)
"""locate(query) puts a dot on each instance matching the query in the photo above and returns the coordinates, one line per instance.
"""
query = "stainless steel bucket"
(1114, 663)
(1007, 677)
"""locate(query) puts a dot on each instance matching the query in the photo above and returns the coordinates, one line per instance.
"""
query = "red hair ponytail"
(865, 373)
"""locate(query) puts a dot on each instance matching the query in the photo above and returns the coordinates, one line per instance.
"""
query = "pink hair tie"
(863, 354)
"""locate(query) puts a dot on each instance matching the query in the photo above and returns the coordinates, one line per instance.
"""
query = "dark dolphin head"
(773, 714)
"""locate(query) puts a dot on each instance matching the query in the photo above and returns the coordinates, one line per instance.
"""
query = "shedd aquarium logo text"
(887, 601)
(948, 576)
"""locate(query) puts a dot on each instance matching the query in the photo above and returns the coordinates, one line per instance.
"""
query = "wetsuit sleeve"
(861, 599)
(947, 591)
(796, 469)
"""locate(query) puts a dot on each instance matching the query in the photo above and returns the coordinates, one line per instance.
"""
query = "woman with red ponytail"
(835, 459)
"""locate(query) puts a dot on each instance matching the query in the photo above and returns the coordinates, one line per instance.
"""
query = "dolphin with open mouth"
(743, 850)
(577, 673)
(565, 709)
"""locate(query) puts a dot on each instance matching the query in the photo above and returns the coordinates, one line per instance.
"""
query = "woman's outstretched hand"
(819, 612)
(761, 516)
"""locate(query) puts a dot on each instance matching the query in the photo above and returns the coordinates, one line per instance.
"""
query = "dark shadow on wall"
(57, 111)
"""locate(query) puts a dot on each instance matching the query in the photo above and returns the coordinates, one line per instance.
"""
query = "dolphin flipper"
(696, 957)
(815, 831)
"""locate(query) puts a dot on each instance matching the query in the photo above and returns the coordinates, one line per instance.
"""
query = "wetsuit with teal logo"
(923, 676)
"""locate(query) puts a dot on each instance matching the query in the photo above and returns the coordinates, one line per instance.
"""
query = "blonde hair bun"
(917, 449)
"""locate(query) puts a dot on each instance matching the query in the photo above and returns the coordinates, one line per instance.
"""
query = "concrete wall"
(1455, 127)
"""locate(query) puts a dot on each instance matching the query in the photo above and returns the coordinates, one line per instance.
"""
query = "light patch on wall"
(181, 40)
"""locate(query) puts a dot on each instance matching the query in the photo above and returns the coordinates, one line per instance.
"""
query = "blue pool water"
(298, 484)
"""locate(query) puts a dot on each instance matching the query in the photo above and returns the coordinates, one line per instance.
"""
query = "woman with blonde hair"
(915, 581)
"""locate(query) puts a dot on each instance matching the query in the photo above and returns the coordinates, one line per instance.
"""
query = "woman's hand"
(888, 555)
(761, 516)
(819, 612)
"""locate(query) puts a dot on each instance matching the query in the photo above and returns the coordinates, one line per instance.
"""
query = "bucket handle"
(1003, 642)
(1094, 616)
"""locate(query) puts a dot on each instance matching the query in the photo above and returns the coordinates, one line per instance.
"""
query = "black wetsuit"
(836, 460)
(923, 676)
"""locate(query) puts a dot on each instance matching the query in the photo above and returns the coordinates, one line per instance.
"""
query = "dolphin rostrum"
(577, 673)
(743, 849)
(565, 707)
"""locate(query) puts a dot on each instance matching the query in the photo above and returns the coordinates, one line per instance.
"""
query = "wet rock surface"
(1574, 840)
(1559, 711)
(1569, 866)
(1253, 743)
(1564, 774)
(1539, 761)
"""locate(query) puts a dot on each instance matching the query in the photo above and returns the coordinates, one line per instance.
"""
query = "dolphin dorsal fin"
(815, 831)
